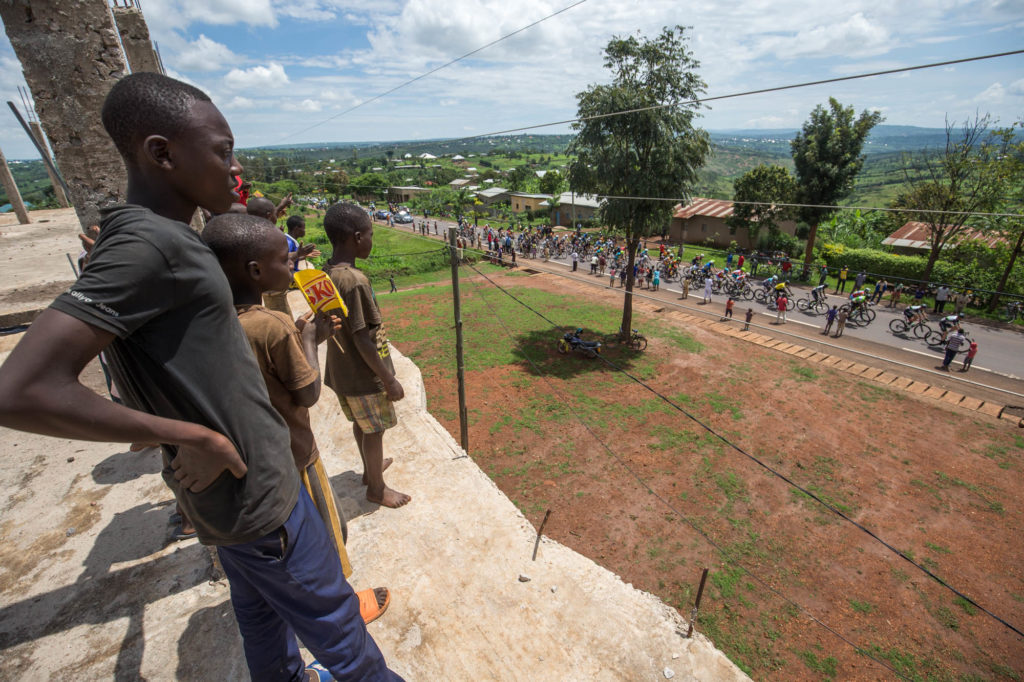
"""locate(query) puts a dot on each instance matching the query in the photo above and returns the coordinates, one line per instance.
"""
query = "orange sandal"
(368, 607)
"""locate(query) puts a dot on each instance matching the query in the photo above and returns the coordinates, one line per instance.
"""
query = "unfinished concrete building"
(71, 56)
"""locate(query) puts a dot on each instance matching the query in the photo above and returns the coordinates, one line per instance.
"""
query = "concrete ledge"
(902, 382)
(970, 403)
(886, 378)
(918, 387)
(991, 409)
(805, 353)
(1012, 418)
(871, 373)
(952, 398)
(934, 392)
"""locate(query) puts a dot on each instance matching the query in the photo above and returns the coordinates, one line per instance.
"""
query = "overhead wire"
(722, 550)
(435, 70)
(776, 473)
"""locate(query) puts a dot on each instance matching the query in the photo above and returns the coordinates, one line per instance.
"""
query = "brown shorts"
(373, 413)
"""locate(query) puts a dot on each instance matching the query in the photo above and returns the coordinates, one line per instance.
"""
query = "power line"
(435, 70)
(771, 470)
(746, 93)
(725, 553)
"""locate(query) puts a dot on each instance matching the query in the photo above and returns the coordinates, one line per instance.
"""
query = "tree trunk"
(1006, 273)
(809, 253)
(627, 303)
(932, 258)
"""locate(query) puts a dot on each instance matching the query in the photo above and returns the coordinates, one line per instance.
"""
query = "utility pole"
(460, 365)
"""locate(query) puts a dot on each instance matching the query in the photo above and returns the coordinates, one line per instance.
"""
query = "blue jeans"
(950, 354)
(290, 583)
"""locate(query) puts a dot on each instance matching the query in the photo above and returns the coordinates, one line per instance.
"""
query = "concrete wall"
(135, 40)
(71, 57)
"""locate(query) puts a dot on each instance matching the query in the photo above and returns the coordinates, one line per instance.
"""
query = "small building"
(427, 155)
(404, 194)
(459, 183)
(704, 219)
(580, 206)
(914, 238)
(458, 157)
(521, 201)
(493, 195)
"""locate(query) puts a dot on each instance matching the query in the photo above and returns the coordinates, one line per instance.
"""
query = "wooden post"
(696, 604)
(13, 195)
(459, 362)
(58, 189)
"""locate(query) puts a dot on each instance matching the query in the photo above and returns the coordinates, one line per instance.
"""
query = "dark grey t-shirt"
(180, 353)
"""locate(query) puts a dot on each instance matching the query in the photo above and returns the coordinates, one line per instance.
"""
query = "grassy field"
(537, 421)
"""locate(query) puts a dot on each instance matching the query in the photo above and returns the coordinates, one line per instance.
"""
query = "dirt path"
(630, 479)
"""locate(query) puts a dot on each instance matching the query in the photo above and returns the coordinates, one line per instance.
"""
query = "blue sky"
(277, 67)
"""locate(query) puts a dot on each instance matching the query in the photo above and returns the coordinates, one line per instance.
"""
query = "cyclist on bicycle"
(948, 324)
(858, 299)
(769, 283)
(915, 314)
(818, 293)
(709, 267)
(782, 289)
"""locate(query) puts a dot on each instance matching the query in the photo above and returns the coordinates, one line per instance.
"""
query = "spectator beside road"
(861, 278)
(954, 344)
(841, 322)
(897, 291)
(780, 317)
(822, 275)
(880, 288)
(941, 296)
(972, 350)
(750, 316)
(707, 290)
(841, 282)
(830, 317)
(960, 301)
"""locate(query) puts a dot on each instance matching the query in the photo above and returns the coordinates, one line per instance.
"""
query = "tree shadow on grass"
(537, 352)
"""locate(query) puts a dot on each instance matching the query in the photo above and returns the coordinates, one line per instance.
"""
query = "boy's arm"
(40, 393)
(368, 352)
(306, 396)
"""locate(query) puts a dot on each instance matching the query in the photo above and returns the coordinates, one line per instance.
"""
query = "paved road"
(1000, 361)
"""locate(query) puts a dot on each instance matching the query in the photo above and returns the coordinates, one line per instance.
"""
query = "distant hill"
(883, 139)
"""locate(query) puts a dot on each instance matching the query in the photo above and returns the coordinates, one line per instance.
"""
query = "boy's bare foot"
(387, 463)
(389, 498)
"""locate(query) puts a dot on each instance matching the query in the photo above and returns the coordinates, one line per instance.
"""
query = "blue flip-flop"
(322, 674)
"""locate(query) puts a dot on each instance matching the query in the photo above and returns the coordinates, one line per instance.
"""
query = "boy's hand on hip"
(197, 465)
(394, 390)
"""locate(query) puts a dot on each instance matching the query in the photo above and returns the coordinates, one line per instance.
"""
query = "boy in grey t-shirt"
(155, 301)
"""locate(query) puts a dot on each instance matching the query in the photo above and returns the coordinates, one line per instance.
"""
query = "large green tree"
(827, 156)
(757, 193)
(552, 183)
(966, 177)
(636, 138)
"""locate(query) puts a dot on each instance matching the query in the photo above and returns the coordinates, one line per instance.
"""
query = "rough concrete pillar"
(13, 195)
(135, 40)
(58, 190)
(71, 57)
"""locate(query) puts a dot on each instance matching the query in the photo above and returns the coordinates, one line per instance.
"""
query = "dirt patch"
(640, 487)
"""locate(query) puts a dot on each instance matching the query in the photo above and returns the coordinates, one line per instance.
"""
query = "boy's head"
(349, 229)
(262, 207)
(296, 225)
(252, 252)
(173, 140)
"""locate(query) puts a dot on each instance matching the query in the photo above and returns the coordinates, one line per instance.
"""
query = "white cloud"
(180, 14)
(239, 103)
(304, 105)
(204, 54)
(270, 77)
(1016, 88)
(448, 102)
(993, 94)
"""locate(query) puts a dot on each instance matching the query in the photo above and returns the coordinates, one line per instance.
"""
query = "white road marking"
(935, 356)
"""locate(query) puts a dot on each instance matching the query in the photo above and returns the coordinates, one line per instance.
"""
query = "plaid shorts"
(373, 413)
